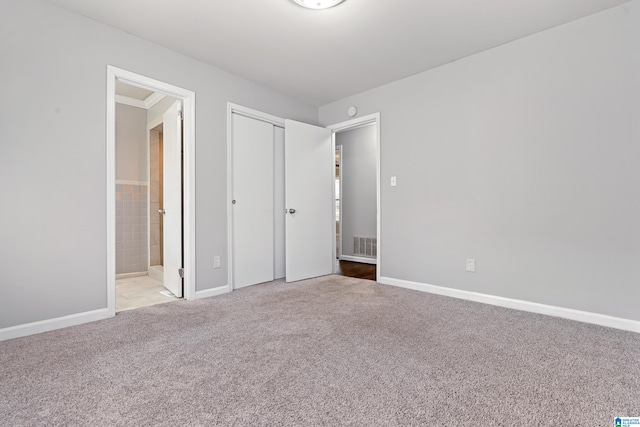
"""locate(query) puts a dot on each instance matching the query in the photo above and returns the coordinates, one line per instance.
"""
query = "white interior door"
(252, 201)
(172, 198)
(309, 181)
(338, 198)
(279, 218)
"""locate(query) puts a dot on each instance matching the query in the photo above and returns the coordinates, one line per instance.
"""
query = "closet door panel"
(252, 201)
(279, 202)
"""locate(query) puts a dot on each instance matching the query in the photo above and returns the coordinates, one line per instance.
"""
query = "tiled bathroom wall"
(155, 189)
(131, 227)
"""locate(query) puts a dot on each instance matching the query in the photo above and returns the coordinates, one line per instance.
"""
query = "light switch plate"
(394, 182)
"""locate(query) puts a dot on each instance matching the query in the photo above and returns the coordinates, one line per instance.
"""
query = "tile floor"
(141, 291)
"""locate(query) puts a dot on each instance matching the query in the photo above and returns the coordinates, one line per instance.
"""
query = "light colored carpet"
(329, 351)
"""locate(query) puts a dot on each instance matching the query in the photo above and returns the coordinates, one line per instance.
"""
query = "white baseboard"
(358, 259)
(207, 293)
(550, 310)
(52, 324)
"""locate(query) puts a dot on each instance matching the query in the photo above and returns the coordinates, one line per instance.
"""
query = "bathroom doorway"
(139, 197)
(150, 220)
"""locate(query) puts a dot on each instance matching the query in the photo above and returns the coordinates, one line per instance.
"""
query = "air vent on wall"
(365, 246)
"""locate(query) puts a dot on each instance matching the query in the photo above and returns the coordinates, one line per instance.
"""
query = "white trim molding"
(358, 259)
(52, 324)
(145, 104)
(254, 114)
(126, 182)
(153, 99)
(356, 123)
(130, 275)
(131, 102)
(213, 292)
(532, 307)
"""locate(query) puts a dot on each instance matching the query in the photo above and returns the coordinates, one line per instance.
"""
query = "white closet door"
(279, 203)
(253, 201)
(309, 170)
(172, 198)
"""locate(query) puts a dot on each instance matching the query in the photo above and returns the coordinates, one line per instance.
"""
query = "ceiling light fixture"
(318, 4)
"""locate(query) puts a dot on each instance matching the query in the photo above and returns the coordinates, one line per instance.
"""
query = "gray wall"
(358, 198)
(131, 143)
(52, 155)
(525, 157)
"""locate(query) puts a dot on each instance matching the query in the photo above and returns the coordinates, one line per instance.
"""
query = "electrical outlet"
(216, 261)
(471, 265)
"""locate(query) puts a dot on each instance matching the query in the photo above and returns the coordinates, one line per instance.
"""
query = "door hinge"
(181, 273)
(181, 115)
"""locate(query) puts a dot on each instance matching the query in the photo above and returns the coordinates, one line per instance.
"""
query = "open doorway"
(150, 191)
(356, 200)
(139, 120)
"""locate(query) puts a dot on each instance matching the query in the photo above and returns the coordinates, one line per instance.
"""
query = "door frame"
(339, 231)
(253, 114)
(350, 125)
(277, 121)
(188, 99)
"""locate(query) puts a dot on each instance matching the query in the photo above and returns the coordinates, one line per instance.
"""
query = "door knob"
(161, 211)
(292, 211)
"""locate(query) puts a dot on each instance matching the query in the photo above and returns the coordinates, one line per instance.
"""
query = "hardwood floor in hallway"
(356, 269)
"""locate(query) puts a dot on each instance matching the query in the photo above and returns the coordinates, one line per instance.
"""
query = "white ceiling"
(322, 56)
